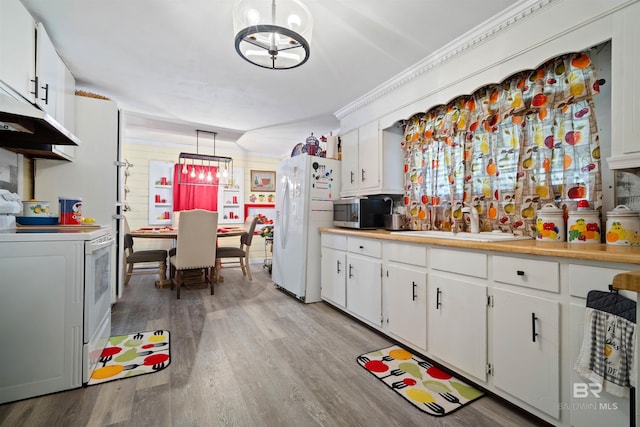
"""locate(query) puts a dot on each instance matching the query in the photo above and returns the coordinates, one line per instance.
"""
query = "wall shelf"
(160, 195)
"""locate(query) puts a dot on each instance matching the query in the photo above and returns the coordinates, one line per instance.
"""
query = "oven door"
(97, 283)
(97, 300)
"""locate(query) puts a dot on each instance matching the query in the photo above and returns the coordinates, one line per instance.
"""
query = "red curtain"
(187, 194)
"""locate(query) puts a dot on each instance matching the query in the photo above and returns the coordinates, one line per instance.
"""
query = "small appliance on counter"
(360, 212)
(10, 205)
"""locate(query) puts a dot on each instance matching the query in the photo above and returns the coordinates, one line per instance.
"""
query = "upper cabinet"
(31, 68)
(625, 91)
(371, 161)
(17, 46)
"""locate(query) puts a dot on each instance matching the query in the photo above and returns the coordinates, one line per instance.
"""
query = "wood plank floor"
(249, 355)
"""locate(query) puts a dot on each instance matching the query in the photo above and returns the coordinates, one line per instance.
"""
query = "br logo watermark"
(583, 390)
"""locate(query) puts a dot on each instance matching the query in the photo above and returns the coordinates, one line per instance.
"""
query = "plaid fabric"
(606, 355)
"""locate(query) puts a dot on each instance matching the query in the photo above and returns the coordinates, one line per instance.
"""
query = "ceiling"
(172, 68)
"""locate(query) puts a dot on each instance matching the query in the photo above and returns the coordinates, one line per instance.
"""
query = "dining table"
(172, 233)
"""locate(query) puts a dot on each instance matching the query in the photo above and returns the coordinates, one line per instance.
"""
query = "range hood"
(26, 129)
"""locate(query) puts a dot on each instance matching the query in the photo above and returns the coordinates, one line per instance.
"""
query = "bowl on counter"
(35, 208)
(37, 220)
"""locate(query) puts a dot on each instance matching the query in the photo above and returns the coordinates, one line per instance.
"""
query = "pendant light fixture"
(190, 176)
(270, 35)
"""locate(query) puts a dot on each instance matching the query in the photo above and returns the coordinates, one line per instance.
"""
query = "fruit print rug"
(131, 355)
(427, 387)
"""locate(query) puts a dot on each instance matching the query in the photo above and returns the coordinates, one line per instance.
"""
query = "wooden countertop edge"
(586, 251)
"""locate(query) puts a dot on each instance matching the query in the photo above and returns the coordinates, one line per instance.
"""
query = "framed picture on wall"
(263, 181)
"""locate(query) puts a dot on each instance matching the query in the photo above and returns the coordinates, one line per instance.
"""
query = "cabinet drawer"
(584, 278)
(334, 241)
(543, 275)
(368, 247)
(407, 253)
(467, 263)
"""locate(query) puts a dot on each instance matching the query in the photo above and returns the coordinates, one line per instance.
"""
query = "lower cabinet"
(494, 317)
(333, 286)
(364, 288)
(405, 293)
(457, 322)
(526, 353)
(599, 408)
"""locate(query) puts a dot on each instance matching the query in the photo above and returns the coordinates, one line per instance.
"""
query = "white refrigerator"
(305, 190)
(95, 174)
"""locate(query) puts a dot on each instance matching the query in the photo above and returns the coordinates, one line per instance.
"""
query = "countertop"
(587, 251)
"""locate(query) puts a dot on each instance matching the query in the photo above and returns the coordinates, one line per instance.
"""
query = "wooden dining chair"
(196, 246)
(151, 261)
(241, 252)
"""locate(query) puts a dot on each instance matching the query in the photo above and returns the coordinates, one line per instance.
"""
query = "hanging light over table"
(272, 37)
(203, 178)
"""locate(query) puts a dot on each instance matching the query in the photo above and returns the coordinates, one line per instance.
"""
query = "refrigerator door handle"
(284, 215)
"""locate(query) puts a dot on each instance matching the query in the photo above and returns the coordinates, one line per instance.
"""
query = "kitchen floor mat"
(126, 356)
(427, 387)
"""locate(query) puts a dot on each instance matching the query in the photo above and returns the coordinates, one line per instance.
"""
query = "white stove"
(55, 310)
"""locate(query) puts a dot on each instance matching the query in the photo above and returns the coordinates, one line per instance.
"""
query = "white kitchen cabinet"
(457, 309)
(589, 410)
(364, 280)
(17, 48)
(625, 93)
(160, 192)
(404, 298)
(457, 322)
(405, 293)
(50, 75)
(371, 161)
(333, 264)
(526, 339)
(349, 165)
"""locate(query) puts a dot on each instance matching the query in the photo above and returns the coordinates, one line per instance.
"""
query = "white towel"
(606, 355)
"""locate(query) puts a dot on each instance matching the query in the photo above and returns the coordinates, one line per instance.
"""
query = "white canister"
(623, 227)
(583, 225)
(35, 208)
(550, 224)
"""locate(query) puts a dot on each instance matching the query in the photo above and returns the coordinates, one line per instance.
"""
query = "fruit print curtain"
(507, 149)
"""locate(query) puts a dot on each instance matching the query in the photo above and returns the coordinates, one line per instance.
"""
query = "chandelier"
(218, 170)
(272, 38)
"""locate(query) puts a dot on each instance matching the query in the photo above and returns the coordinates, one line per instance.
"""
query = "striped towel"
(606, 355)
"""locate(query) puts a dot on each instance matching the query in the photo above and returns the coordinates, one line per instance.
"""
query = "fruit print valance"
(507, 149)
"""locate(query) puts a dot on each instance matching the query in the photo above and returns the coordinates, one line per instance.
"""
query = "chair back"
(128, 242)
(196, 247)
(250, 226)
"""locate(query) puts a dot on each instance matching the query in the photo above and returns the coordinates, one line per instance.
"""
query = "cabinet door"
(48, 68)
(364, 288)
(405, 292)
(457, 323)
(349, 144)
(333, 286)
(17, 48)
(368, 156)
(525, 348)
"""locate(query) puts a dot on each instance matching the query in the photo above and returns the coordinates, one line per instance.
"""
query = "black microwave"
(360, 212)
